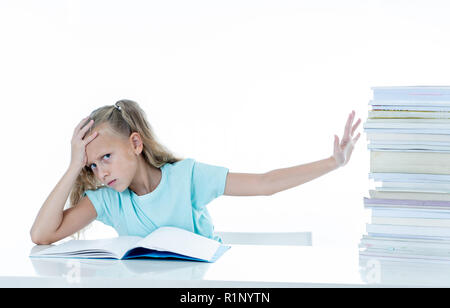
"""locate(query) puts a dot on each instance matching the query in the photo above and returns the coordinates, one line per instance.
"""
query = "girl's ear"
(136, 143)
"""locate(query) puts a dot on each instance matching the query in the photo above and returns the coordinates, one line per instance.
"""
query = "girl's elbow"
(270, 193)
(39, 239)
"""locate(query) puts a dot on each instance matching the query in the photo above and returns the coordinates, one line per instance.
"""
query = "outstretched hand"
(343, 149)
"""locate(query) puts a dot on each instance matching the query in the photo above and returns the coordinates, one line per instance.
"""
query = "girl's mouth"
(111, 183)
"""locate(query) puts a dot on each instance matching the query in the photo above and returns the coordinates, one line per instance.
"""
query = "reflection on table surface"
(340, 264)
(281, 265)
(110, 268)
(415, 273)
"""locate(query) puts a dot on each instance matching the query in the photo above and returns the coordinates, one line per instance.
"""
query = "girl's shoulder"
(180, 169)
(184, 163)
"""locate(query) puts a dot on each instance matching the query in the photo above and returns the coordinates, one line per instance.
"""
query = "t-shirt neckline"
(156, 190)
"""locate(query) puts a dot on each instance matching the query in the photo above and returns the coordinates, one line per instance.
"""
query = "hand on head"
(79, 142)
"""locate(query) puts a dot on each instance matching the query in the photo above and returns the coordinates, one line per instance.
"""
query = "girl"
(122, 176)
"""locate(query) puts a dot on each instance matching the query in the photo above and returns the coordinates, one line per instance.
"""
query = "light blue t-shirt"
(180, 200)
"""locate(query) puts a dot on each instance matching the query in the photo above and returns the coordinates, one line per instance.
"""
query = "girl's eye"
(106, 156)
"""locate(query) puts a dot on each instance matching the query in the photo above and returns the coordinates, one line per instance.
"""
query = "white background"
(248, 85)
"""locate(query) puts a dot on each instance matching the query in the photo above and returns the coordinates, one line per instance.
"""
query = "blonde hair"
(124, 118)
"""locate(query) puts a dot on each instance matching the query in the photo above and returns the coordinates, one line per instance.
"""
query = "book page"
(116, 247)
(180, 241)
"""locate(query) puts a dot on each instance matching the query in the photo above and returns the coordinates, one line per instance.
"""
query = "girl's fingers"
(85, 129)
(348, 157)
(356, 138)
(77, 128)
(346, 137)
(336, 143)
(90, 138)
(348, 125)
(81, 123)
(355, 126)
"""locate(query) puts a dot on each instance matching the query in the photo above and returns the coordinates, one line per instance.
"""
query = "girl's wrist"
(74, 169)
(333, 162)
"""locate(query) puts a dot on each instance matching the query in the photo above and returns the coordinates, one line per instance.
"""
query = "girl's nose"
(102, 172)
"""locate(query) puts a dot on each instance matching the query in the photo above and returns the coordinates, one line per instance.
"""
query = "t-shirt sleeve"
(101, 198)
(208, 183)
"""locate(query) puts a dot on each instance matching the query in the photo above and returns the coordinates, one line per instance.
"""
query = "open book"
(164, 242)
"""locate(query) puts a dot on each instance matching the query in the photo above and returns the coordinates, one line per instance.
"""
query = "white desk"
(241, 266)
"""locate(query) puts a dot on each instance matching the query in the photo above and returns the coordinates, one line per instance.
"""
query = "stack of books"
(408, 130)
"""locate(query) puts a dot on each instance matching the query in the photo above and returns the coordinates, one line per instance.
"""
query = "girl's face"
(112, 158)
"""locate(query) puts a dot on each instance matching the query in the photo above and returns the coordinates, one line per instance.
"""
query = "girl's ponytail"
(154, 153)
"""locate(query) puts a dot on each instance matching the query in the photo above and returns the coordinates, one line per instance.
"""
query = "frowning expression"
(111, 158)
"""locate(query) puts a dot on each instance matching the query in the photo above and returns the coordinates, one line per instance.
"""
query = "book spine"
(417, 138)
(407, 124)
(410, 213)
(410, 162)
(416, 186)
(412, 95)
(414, 190)
(420, 222)
(408, 230)
(418, 147)
(436, 131)
(406, 202)
(407, 102)
(409, 195)
(409, 142)
(409, 177)
(377, 114)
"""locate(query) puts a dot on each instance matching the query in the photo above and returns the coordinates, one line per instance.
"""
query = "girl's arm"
(282, 179)
(52, 223)
(246, 184)
(266, 184)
